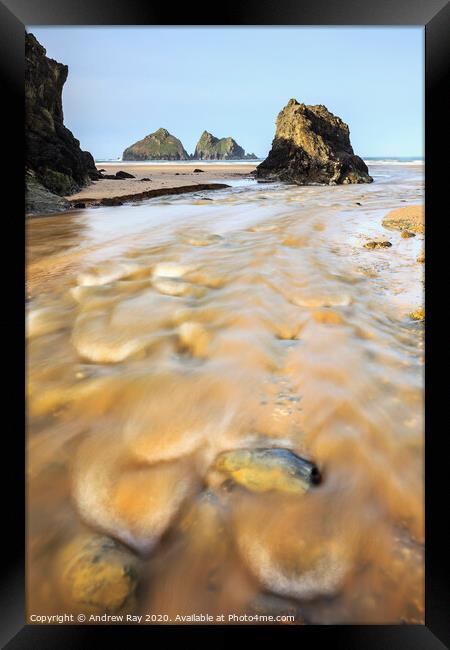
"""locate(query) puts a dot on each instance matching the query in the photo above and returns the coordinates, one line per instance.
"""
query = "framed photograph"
(220, 238)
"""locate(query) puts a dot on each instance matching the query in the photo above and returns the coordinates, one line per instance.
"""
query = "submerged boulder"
(211, 148)
(98, 574)
(52, 153)
(312, 146)
(160, 145)
(263, 470)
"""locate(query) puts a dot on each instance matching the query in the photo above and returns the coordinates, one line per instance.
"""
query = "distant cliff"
(211, 148)
(160, 145)
(53, 158)
(311, 145)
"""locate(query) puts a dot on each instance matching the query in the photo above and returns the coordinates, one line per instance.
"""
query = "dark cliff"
(53, 157)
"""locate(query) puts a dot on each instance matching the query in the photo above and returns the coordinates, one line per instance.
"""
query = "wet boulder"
(97, 574)
(378, 244)
(418, 314)
(263, 470)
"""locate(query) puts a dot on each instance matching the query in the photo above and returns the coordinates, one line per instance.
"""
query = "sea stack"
(54, 161)
(211, 148)
(312, 146)
(160, 145)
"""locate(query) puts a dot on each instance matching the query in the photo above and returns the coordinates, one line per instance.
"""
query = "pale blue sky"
(126, 82)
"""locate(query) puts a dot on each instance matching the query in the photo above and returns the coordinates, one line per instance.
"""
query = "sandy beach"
(161, 177)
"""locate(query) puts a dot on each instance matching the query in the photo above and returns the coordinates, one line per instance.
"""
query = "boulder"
(312, 146)
(211, 148)
(39, 200)
(122, 174)
(51, 150)
(97, 574)
(263, 470)
(378, 244)
(160, 145)
(418, 314)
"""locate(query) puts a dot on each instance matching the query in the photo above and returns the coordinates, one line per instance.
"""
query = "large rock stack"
(211, 148)
(312, 146)
(160, 145)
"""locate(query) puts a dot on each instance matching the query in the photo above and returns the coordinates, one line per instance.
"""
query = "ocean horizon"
(404, 160)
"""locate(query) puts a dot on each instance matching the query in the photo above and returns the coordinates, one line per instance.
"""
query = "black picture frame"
(434, 15)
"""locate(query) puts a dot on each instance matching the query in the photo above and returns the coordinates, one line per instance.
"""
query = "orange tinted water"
(162, 334)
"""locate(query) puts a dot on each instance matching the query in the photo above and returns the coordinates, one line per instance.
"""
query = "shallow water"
(162, 333)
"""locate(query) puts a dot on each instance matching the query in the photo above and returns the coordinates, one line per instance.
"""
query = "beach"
(184, 327)
(162, 177)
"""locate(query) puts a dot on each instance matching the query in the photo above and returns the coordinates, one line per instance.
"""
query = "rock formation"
(211, 148)
(53, 158)
(311, 145)
(160, 145)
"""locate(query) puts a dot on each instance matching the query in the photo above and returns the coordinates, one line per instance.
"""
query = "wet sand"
(161, 177)
(162, 334)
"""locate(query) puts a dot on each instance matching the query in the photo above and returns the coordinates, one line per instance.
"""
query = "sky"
(126, 82)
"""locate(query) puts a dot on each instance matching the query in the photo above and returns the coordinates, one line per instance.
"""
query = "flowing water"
(163, 333)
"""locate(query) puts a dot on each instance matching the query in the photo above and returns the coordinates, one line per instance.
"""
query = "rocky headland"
(55, 165)
(211, 148)
(160, 145)
(312, 146)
